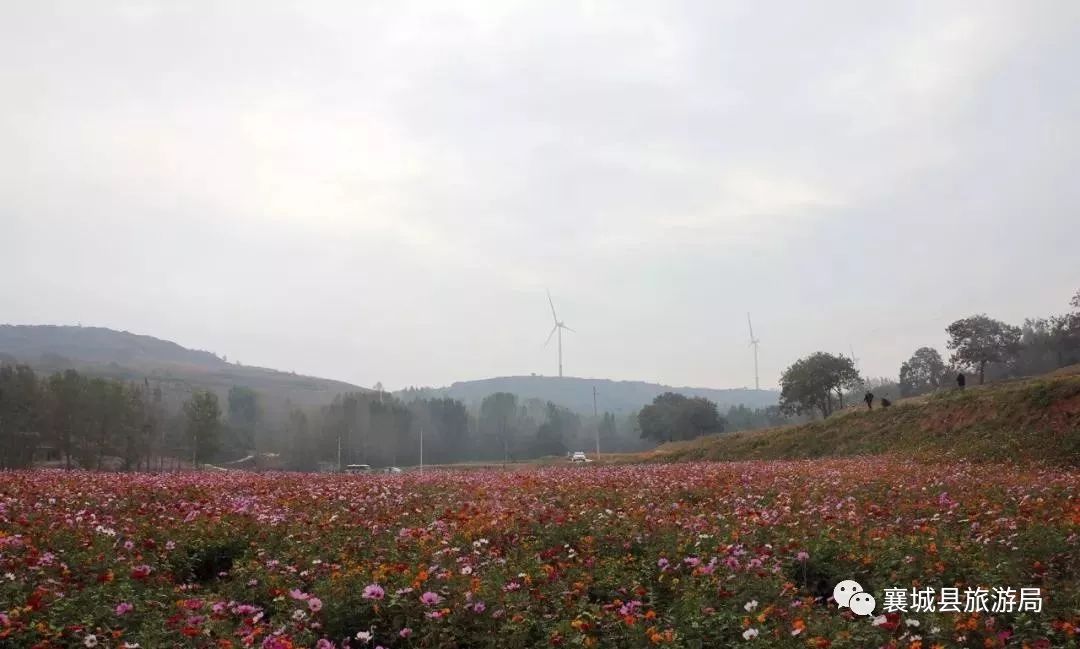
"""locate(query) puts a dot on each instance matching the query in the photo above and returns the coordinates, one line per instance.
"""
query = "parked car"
(358, 468)
(579, 457)
(392, 469)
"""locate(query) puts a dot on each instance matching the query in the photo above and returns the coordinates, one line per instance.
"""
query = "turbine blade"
(550, 335)
(555, 317)
(565, 327)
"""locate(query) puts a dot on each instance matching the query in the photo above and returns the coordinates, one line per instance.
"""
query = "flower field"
(676, 555)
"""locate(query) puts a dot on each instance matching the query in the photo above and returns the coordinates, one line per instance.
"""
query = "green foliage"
(810, 383)
(551, 436)
(1027, 420)
(672, 416)
(924, 372)
(979, 340)
(203, 424)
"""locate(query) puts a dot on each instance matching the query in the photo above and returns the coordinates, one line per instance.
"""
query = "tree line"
(987, 348)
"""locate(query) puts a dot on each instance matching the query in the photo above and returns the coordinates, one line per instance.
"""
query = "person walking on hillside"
(960, 380)
(869, 399)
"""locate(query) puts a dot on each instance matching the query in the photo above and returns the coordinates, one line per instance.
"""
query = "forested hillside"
(619, 397)
(175, 370)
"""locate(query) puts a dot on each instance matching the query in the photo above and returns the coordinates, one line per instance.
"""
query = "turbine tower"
(558, 328)
(754, 343)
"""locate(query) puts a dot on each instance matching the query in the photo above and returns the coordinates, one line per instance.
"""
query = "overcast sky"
(379, 191)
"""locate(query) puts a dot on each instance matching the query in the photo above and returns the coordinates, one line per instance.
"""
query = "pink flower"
(323, 643)
(123, 608)
(373, 591)
(802, 556)
(405, 633)
(479, 607)
(315, 604)
(296, 593)
(430, 599)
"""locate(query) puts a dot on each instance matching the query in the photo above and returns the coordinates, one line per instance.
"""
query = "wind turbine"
(754, 343)
(559, 326)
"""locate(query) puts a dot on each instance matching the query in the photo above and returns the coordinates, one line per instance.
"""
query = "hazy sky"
(381, 191)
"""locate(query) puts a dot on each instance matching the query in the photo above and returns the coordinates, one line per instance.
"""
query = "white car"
(579, 457)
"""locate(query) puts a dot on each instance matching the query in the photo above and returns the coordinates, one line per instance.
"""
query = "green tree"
(305, 453)
(923, 372)
(65, 410)
(20, 414)
(243, 419)
(498, 414)
(672, 416)
(809, 384)
(559, 423)
(202, 416)
(978, 340)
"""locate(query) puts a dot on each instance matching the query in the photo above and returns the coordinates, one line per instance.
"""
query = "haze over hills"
(124, 355)
(619, 397)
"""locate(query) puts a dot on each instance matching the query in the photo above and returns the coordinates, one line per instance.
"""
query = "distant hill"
(122, 355)
(1032, 419)
(620, 397)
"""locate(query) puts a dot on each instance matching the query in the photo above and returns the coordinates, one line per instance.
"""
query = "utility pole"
(597, 420)
(421, 449)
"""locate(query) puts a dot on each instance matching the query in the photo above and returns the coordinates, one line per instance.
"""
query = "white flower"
(90, 641)
(364, 636)
(750, 634)
(911, 622)
(751, 605)
(299, 615)
(879, 620)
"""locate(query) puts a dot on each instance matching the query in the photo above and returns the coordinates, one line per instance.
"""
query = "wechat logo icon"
(850, 593)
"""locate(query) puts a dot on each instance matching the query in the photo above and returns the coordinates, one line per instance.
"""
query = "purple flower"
(123, 608)
(374, 591)
(430, 599)
(315, 604)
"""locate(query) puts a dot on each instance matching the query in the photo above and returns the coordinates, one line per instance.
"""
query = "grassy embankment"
(1032, 419)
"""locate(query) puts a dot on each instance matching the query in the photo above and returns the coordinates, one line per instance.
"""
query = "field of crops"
(677, 555)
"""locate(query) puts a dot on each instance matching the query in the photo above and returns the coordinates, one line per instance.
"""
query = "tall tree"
(65, 408)
(203, 424)
(809, 384)
(498, 414)
(673, 416)
(243, 418)
(978, 340)
(559, 424)
(20, 410)
(923, 372)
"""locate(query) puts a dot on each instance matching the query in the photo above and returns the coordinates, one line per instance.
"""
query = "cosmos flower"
(373, 591)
